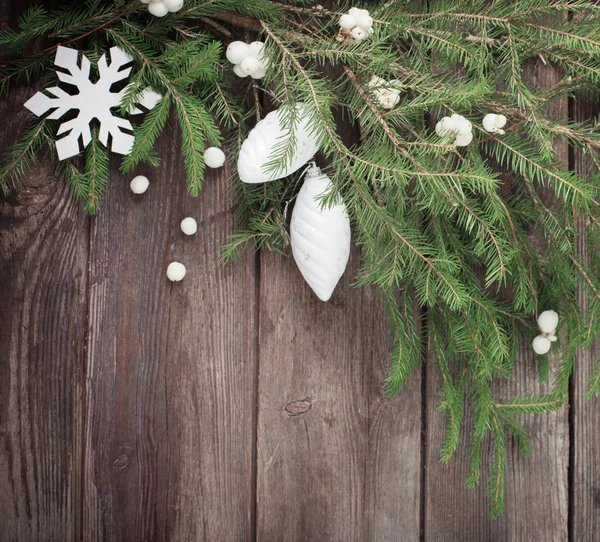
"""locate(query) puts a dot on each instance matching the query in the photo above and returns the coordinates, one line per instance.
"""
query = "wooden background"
(233, 405)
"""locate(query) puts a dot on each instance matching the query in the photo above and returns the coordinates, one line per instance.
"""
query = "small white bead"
(173, 5)
(249, 65)
(489, 122)
(354, 12)
(214, 157)
(541, 345)
(347, 22)
(158, 9)
(548, 321)
(175, 271)
(255, 48)
(462, 125)
(445, 127)
(238, 71)
(237, 51)
(358, 34)
(189, 226)
(500, 121)
(139, 184)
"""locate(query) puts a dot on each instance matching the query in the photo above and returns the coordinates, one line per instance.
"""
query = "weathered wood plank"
(536, 501)
(337, 459)
(585, 414)
(43, 279)
(170, 438)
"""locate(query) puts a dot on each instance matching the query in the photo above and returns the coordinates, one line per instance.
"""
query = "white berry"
(259, 73)
(238, 71)
(158, 9)
(364, 21)
(387, 99)
(358, 34)
(237, 51)
(175, 271)
(347, 22)
(189, 226)
(354, 12)
(249, 65)
(214, 157)
(173, 5)
(462, 140)
(445, 127)
(548, 321)
(255, 48)
(493, 123)
(139, 184)
(500, 121)
(541, 345)
(462, 125)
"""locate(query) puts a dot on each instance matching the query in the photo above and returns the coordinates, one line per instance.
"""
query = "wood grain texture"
(169, 440)
(328, 437)
(43, 280)
(536, 503)
(584, 416)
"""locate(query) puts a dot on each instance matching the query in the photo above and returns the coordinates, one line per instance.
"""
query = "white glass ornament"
(320, 236)
(237, 51)
(214, 157)
(176, 271)
(139, 184)
(158, 9)
(548, 321)
(541, 345)
(266, 138)
(347, 22)
(173, 5)
(189, 226)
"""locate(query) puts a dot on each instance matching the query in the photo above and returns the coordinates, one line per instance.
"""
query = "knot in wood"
(297, 408)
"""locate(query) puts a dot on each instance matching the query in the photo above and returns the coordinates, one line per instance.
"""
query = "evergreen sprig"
(464, 260)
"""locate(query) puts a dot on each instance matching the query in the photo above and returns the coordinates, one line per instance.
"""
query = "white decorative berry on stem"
(173, 5)
(457, 127)
(238, 71)
(359, 34)
(255, 48)
(249, 65)
(139, 184)
(354, 12)
(214, 157)
(347, 22)
(176, 271)
(548, 321)
(541, 345)
(364, 21)
(158, 9)
(237, 51)
(189, 226)
(494, 123)
(462, 140)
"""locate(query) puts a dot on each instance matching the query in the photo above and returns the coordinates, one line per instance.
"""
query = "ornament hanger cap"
(313, 170)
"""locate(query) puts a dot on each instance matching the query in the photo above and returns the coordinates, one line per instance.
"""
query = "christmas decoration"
(356, 24)
(139, 184)
(386, 93)
(457, 128)
(176, 271)
(548, 322)
(320, 235)
(494, 123)
(541, 345)
(447, 240)
(160, 8)
(214, 158)
(248, 59)
(189, 226)
(274, 135)
(94, 101)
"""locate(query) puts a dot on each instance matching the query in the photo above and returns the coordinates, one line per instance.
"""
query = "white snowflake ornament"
(94, 101)
(320, 236)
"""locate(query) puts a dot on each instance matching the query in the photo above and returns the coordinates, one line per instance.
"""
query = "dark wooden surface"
(233, 405)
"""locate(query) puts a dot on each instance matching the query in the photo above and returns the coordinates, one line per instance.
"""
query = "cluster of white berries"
(357, 24)
(457, 127)
(159, 8)
(387, 93)
(248, 59)
(494, 123)
(547, 322)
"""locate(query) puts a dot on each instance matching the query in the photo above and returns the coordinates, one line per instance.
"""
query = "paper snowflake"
(94, 101)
